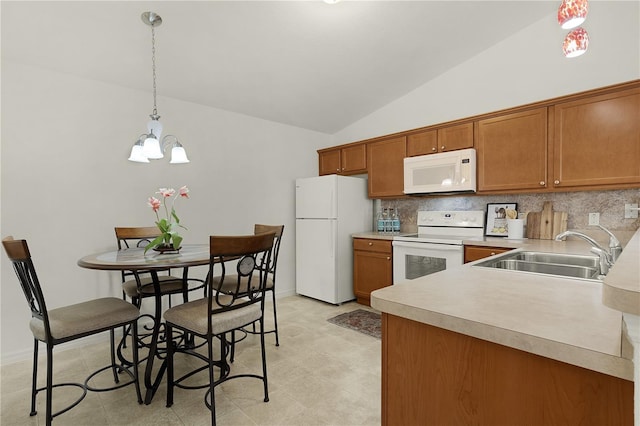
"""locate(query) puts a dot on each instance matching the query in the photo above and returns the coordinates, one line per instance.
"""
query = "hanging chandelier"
(575, 43)
(149, 146)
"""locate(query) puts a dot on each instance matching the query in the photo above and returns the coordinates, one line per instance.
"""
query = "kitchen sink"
(563, 265)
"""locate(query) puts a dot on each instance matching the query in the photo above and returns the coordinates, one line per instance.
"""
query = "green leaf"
(156, 242)
(177, 240)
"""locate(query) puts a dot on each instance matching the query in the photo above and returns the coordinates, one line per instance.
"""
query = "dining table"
(136, 260)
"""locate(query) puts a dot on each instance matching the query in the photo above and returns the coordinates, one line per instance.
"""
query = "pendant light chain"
(153, 65)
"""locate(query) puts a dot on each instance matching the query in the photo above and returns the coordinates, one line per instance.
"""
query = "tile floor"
(321, 374)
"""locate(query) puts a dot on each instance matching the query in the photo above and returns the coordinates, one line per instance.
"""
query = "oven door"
(412, 260)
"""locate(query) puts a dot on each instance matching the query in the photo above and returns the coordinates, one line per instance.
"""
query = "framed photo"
(496, 218)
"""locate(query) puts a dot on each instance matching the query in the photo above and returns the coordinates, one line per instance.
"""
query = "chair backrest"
(278, 230)
(253, 254)
(136, 236)
(18, 253)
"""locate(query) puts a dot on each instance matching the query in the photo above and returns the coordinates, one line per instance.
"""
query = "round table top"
(133, 259)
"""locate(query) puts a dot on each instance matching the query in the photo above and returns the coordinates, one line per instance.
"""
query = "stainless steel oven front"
(412, 260)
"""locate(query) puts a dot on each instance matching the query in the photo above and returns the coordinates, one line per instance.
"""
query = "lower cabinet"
(432, 376)
(372, 267)
(472, 253)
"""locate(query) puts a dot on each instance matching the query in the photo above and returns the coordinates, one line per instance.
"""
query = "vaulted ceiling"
(302, 63)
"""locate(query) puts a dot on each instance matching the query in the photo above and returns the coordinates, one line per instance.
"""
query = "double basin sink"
(556, 264)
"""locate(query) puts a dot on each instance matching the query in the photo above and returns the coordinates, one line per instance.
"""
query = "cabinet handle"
(343, 169)
(556, 182)
(337, 170)
(442, 147)
(493, 253)
(388, 258)
(370, 244)
(541, 183)
(434, 149)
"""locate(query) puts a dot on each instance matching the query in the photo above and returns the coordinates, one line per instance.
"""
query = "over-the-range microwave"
(453, 171)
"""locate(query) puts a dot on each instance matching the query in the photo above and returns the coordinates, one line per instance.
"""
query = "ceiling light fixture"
(149, 145)
(572, 13)
(575, 43)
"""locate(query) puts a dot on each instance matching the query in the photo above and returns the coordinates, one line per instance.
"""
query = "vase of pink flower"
(169, 240)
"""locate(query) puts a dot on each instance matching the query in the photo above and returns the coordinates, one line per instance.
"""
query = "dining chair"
(219, 314)
(271, 273)
(68, 323)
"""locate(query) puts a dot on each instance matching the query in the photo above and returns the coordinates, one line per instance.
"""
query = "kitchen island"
(474, 345)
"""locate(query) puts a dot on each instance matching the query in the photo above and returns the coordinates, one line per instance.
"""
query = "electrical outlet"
(630, 211)
(594, 218)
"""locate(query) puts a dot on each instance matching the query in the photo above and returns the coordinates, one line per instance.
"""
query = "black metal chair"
(68, 323)
(271, 274)
(220, 314)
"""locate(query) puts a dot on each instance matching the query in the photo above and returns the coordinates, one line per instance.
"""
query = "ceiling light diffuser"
(575, 43)
(572, 13)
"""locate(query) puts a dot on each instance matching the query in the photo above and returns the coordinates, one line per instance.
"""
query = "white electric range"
(437, 245)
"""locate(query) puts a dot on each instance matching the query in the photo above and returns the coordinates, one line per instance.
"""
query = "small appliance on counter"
(329, 209)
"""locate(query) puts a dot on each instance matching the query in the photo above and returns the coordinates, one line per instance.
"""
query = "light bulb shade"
(572, 13)
(154, 126)
(178, 155)
(575, 43)
(152, 148)
(137, 155)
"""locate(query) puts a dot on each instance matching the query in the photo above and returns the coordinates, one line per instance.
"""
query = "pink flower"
(154, 203)
(166, 192)
(184, 192)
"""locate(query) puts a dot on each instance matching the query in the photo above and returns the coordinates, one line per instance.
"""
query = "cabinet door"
(371, 271)
(597, 141)
(354, 159)
(455, 137)
(472, 253)
(329, 162)
(512, 151)
(422, 143)
(385, 162)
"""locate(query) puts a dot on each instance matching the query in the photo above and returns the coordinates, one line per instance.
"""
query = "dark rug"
(366, 322)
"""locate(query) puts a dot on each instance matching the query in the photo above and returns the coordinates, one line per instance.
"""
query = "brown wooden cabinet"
(348, 160)
(444, 139)
(385, 163)
(472, 253)
(596, 141)
(512, 151)
(372, 267)
(432, 376)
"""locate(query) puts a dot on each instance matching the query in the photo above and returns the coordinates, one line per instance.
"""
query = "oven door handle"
(427, 246)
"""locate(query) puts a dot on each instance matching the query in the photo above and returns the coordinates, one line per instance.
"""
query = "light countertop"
(559, 318)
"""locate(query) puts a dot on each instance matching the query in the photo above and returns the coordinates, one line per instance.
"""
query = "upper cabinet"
(385, 160)
(512, 151)
(348, 160)
(440, 140)
(596, 141)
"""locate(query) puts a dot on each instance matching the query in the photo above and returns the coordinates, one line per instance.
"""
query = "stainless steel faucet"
(607, 257)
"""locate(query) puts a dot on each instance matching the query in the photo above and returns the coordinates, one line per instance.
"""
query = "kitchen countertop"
(558, 318)
(621, 289)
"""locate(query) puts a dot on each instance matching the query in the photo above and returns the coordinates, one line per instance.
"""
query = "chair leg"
(264, 360)
(49, 404)
(34, 379)
(275, 316)
(211, 375)
(136, 360)
(112, 339)
(170, 350)
(124, 327)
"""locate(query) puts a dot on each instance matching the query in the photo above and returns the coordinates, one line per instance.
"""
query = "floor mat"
(366, 322)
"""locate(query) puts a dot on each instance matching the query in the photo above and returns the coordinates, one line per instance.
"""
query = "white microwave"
(453, 171)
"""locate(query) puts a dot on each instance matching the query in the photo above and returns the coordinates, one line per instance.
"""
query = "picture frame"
(496, 219)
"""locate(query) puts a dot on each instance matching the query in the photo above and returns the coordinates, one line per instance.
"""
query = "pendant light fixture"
(149, 146)
(575, 43)
(572, 13)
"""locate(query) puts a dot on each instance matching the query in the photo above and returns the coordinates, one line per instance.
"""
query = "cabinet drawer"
(383, 246)
(472, 253)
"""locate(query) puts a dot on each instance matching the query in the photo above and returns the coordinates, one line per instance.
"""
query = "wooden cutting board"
(545, 225)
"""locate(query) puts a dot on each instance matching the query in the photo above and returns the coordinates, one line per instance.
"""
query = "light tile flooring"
(321, 374)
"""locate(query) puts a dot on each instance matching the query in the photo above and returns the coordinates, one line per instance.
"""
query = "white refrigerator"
(328, 210)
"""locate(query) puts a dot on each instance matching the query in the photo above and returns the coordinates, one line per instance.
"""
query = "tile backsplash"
(578, 205)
